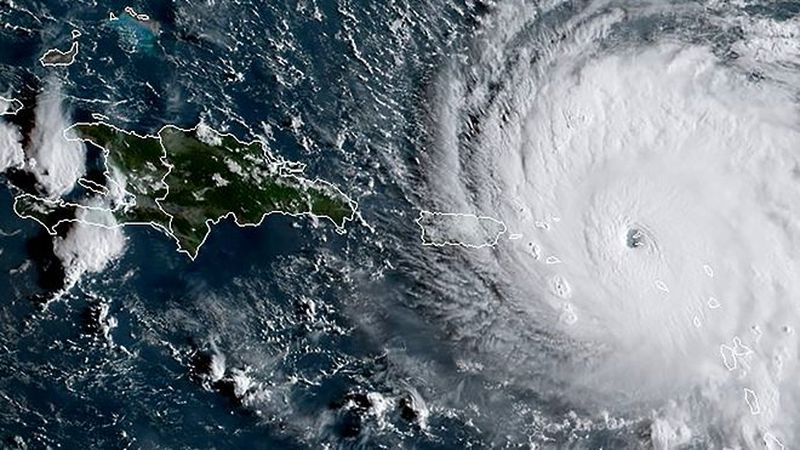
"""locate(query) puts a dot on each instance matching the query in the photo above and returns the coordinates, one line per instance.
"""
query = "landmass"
(9, 106)
(11, 153)
(459, 229)
(55, 57)
(136, 31)
(182, 181)
(134, 14)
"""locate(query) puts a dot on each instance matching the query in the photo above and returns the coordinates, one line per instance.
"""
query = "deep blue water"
(252, 69)
(286, 335)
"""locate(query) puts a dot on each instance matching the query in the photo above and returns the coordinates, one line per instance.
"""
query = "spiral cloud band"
(651, 178)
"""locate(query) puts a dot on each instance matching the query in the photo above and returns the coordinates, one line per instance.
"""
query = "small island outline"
(59, 58)
(428, 242)
(12, 104)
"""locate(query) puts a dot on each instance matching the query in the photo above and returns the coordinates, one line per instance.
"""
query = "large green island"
(183, 181)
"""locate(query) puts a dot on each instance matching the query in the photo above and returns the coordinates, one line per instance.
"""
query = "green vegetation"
(137, 160)
(49, 213)
(183, 179)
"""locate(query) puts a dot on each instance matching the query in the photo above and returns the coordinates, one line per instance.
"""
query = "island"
(9, 106)
(136, 31)
(11, 153)
(440, 229)
(55, 57)
(183, 181)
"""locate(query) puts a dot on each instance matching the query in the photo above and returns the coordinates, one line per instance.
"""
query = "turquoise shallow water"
(263, 298)
(287, 335)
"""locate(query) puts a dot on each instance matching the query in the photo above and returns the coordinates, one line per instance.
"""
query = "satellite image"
(415, 224)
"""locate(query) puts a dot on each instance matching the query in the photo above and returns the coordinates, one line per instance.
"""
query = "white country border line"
(73, 51)
(209, 222)
(278, 162)
(58, 203)
(132, 12)
(163, 159)
(16, 106)
(107, 172)
(91, 186)
(429, 243)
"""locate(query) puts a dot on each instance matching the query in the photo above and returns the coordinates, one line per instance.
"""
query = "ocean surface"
(289, 335)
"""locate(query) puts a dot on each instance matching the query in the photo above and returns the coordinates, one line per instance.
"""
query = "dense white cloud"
(89, 248)
(656, 194)
(11, 154)
(56, 161)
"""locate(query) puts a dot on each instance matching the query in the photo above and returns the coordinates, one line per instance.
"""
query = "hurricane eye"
(635, 238)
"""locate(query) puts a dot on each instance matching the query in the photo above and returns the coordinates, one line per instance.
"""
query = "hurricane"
(644, 158)
(423, 224)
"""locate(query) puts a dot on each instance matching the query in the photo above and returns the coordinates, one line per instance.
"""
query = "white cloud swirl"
(656, 186)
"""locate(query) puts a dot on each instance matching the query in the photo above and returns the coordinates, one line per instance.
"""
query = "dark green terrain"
(184, 180)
